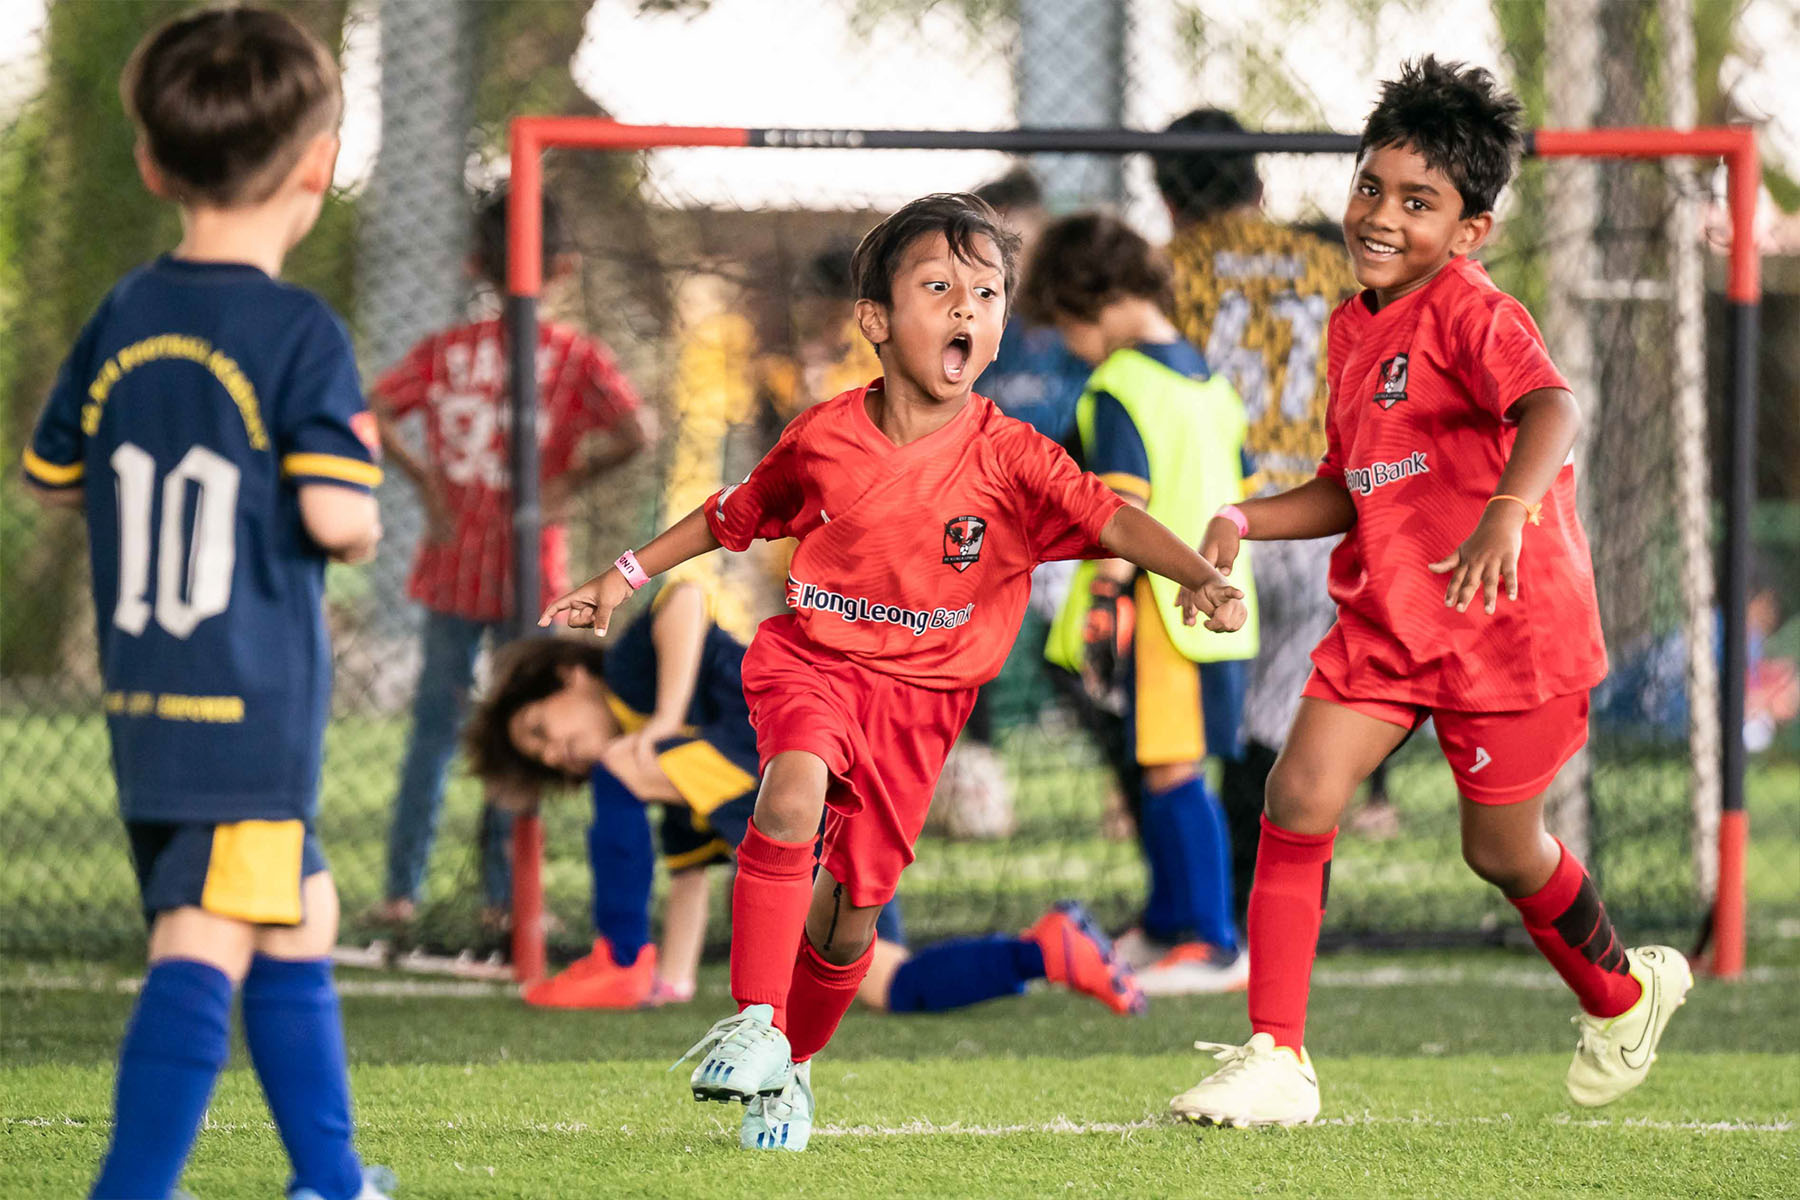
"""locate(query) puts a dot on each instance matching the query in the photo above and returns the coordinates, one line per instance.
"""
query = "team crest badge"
(1393, 382)
(962, 541)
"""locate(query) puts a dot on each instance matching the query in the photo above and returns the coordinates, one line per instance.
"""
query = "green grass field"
(1441, 1073)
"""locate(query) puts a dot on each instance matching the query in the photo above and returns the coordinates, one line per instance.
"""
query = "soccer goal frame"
(1734, 145)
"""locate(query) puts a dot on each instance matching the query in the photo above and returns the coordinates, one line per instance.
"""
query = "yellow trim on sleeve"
(254, 872)
(1121, 481)
(49, 473)
(332, 466)
(716, 850)
(630, 719)
(705, 778)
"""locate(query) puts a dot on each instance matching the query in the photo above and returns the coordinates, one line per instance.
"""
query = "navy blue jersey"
(195, 402)
(630, 674)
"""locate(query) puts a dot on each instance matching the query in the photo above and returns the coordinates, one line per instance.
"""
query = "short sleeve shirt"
(456, 380)
(915, 560)
(1419, 430)
(195, 403)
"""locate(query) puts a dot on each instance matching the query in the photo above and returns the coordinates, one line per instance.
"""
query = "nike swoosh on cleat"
(1625, 1052)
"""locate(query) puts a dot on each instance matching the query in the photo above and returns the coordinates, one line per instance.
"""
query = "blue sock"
(296, 1037)
(1166, 902)
(174, 1049)
(623, 867)
(966, 971)
(1189, 852)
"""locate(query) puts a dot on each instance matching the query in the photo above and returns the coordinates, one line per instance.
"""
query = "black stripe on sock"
(1585, 927)
(1325, 885)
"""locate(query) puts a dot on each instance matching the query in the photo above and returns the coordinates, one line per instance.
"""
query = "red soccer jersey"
(915, 560)
(458, 379)
(1418, 433)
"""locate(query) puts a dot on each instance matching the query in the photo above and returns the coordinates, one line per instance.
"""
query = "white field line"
(923, 1128)
(399, 984)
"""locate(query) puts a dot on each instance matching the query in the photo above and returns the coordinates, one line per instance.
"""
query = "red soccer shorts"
(1497, 757)
(884, 741)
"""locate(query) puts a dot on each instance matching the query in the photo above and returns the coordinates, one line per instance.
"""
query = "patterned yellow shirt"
(1255, 296)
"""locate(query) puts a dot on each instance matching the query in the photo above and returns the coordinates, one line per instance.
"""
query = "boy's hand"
(592, 603)
(440, 519)
(554, 499)
(1219, 544)
(1222, 603)
(1488, 559)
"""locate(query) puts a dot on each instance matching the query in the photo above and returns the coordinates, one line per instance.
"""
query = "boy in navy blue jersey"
(210, 422)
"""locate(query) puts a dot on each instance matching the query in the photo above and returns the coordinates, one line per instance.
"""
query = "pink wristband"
(1235, 515)
(628, 567)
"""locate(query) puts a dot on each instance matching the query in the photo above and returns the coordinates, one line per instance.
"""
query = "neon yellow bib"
(1193, 432)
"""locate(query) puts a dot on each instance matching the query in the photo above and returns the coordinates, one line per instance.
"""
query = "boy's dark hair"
(1458, 119)
(490, 236)
(1200, 184)
(226, 99)
(1016, 189)
(524, 673)
(1085, 262)
(959, 216)
(827, 274)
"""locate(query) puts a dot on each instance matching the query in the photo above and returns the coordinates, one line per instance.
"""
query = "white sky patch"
(730, 66)
(360, 134)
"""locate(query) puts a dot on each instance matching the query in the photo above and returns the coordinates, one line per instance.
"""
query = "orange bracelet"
(1533, 512)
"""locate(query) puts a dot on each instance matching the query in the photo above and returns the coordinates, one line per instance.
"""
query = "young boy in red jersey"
(591, 422)
(920, 511)
(1447, 462)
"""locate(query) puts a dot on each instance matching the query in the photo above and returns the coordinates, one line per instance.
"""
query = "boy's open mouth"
(956, 356)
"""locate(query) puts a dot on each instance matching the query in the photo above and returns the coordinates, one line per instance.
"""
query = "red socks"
(1569, 925)
(819, 997)
(768, 919)
(1287, 905)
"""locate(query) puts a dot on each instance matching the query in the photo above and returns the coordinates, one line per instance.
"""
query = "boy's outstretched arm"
(69, 497)
(1549, 420)
(592, 603)
(678, 631)
(1134, 534)
(1317, 508)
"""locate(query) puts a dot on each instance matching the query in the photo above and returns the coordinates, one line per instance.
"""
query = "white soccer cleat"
(1196, 969)
(378, 1183)
(746, 1057)
(784, 1121)
(1260, 1083)
(1615, 1053)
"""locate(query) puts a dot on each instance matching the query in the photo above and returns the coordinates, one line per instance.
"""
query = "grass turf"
(1442, 1076)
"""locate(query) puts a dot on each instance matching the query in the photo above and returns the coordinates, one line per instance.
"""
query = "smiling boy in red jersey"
(920, 511)
(1448, 440)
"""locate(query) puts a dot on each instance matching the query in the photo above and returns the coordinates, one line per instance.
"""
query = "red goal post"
(1735, 146)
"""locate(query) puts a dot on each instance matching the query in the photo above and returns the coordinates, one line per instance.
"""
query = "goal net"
(715, 264)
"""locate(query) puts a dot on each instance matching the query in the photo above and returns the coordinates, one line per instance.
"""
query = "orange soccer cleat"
(1078, 956)
(596, 981)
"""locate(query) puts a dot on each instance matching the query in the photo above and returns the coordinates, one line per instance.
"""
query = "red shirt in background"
(1418, 432)
(458, 379)
(915, 560)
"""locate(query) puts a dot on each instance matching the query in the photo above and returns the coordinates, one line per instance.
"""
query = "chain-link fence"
(717, 278)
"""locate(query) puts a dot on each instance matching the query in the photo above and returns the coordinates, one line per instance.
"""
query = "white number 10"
(191, 586)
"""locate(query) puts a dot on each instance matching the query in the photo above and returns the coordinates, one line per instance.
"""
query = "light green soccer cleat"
(1615, 1053)
(746, 1057)
(1258, 1083)
(782, 1122)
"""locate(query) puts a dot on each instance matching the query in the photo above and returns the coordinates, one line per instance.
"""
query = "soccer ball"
(974, 800)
